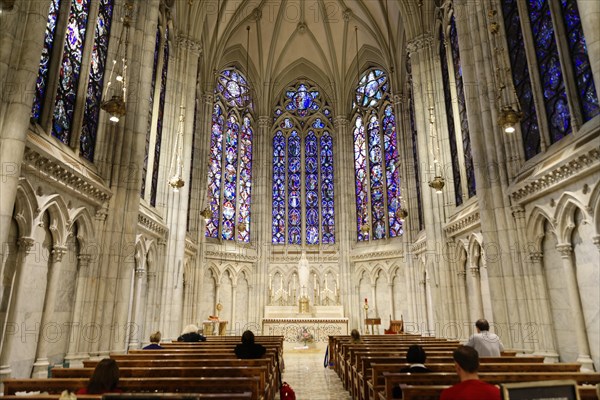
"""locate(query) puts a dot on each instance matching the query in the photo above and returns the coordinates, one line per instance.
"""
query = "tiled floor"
(305, 373)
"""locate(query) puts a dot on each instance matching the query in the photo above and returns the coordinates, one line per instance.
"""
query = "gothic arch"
(59, 214)
(535, 226)
(26, 208)
(565, 216)
(85, 227)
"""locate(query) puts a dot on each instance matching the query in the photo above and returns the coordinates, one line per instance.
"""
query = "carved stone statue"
(303, 274)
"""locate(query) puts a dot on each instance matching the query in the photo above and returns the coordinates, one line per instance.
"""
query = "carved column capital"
(347, 14)
(565, 250)
(596, 240)
(462, 273)
(58, 252)
(84, 260)
(101, 214)
(419, 43)
(208, 98)
(140, 272)
(340, 121)
(474, 271)
(536, 256)
(264, 121)
(25, 244)
(518, 211)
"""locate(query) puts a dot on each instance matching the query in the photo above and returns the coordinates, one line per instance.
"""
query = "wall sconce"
(206, 214)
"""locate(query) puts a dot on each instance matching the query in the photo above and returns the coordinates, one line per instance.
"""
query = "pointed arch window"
(230, 162)
(563, 67)
(462, 110)
(58, 81)
(303, 191)
(377, 182)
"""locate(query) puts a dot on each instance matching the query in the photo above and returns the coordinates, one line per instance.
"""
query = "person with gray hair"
(487, 344)
(190, 334)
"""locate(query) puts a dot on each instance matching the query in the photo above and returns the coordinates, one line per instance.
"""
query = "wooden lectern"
(372, 322)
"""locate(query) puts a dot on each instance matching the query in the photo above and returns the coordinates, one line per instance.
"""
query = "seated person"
(466, 363)
(105, 379)
(355, 337)
(154, 342)
(190, 334)
(486, 343)
(415, 356)
(249, 349)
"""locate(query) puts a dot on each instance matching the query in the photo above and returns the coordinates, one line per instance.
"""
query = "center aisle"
(305, 373)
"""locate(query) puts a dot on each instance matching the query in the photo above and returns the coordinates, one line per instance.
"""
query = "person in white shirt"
(487, 344)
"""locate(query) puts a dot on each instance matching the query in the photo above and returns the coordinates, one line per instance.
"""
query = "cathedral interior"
(267, 162)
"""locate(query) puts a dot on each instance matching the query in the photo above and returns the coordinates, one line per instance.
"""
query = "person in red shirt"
(105, 379)
(466, 363)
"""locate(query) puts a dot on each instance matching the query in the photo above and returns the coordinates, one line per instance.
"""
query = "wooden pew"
(442, 378)
(374, 382)
(433, 392)
(166, 385)
(132, 396)
(265, 386)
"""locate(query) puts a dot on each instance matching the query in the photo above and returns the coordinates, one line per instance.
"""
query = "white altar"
(295, 327)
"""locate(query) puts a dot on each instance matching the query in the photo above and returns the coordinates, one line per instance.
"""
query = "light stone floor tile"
(305, 373)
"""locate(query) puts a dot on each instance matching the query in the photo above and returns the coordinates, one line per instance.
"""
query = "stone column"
(74, 355)
(41, 364)
(233, 307)
(18, 83)
(150, 302)
(583, 346)
(136, 325)
(463, 310)
(25, 244)
(544, 332)
(477, 309)
(261, 210)
(391, 298)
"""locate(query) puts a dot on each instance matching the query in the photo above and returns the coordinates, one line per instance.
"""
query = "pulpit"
(372, 322)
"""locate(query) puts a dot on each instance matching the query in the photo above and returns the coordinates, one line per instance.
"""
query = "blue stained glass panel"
(294, 189)
(160, 118)
(376, 178)
(327, 189)
(70, 69)
(391, 171)
(458, 195)
(214, 172)
(150, 110)
(245, 180)
(584, 79)
(555, 97)
(279, 188)
(42, 78)
(530, 132)
(361, 180)
(87, 142)
(230, 176)
(415, 145)
(311, 192)
(462, 110)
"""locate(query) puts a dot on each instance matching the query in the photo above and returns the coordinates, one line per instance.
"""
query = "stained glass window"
(375, 159)
(584, 80)
(151, 109)
(160, 118)
(458, 196)
(42, 79)
(87, 143)
(303, 191)
(555, 97)
(530, 131)
(462, 109)
(69, 71)
(230, 161)
(415, 144)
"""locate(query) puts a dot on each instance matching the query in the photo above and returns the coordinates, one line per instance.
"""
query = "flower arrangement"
(305, 336)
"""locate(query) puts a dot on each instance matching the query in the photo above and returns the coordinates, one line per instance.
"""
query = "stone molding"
(419, 43)
(418, 247)
(154, 227)
(464, 223)
(377, 255)
(226, 256)
(189, 43)
(190, 247)
(535, 186)
(43, 160)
